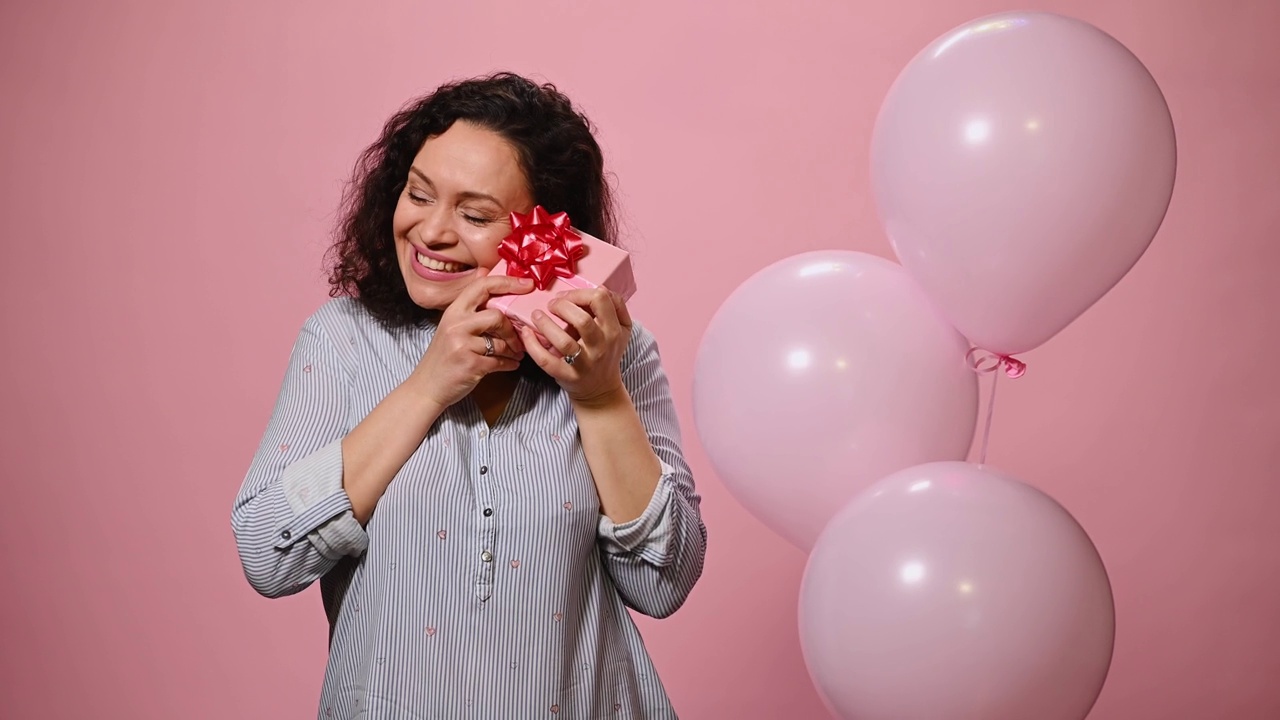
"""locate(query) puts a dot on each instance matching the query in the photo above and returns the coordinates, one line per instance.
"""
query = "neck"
(493, 393)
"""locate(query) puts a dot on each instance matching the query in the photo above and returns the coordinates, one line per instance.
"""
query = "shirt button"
(486, 556)
(286, 534)
(488, 512)
(484, 432)
(484, 469)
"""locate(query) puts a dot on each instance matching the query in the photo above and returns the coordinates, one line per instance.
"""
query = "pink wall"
(169, 176)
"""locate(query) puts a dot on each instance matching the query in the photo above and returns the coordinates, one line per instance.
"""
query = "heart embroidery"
(555, 437)
(617, 707)
(557, 617)
(555, 709)
(568, 506)
(307, 369)
(515, 564)
(442, 534)
(284, 447)
(431, 631)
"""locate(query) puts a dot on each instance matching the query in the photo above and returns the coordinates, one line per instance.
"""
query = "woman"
(480, 510)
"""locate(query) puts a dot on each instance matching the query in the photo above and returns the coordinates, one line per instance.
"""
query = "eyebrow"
(465, 195)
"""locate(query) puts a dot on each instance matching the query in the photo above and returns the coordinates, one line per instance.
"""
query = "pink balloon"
(950, 590)
(821, 374)
(1021, 165)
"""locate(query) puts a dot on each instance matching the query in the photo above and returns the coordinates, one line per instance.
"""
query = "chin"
(425, 298)
(428, 301)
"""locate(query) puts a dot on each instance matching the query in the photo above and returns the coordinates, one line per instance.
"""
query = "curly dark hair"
(556, 149)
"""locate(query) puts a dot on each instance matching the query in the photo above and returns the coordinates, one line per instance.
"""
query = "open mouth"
(441, 266)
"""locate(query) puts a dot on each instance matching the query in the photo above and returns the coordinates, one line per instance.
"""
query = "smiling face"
(455, 210)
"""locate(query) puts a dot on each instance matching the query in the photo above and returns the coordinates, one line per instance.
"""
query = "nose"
(436, 226)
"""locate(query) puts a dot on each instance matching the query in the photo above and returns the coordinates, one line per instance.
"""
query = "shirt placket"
(486, 525)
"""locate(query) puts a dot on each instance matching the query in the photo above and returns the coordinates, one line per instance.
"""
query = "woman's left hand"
(603, 327)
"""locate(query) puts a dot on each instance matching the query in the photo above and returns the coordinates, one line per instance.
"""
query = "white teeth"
(434, 264)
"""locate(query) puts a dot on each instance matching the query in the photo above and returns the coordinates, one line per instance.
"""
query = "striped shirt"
(487, 584)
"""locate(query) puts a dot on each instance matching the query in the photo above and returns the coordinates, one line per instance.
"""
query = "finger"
(501, 348)
(501, 364)
(495, 326)
(560, 340)
(512, 338)
(593, 300)
(620, 308)
(602, 306)
(547, 359)
(493, 322)
(579, 319)
(478, 292)
(507, 336)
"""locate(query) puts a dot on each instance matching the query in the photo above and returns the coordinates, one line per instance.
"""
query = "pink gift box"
(597, 264)
(603, 265)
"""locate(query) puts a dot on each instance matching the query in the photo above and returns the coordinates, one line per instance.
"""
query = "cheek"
(484, 247)
(402, 219)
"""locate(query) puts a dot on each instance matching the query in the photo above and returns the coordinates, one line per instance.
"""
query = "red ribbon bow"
(984, 362)
(541, 246)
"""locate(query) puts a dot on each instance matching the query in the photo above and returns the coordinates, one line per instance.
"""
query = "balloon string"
(991, 411)
(984, 363)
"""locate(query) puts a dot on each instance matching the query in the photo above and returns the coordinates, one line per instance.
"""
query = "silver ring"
(569, 359)
(488, 346)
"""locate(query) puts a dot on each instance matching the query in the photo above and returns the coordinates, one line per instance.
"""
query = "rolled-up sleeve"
(292, 518)
(656, 559)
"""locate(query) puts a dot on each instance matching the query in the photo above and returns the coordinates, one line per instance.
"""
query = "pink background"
(169, 175)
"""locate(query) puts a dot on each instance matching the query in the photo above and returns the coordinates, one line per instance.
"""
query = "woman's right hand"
(455, 361)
